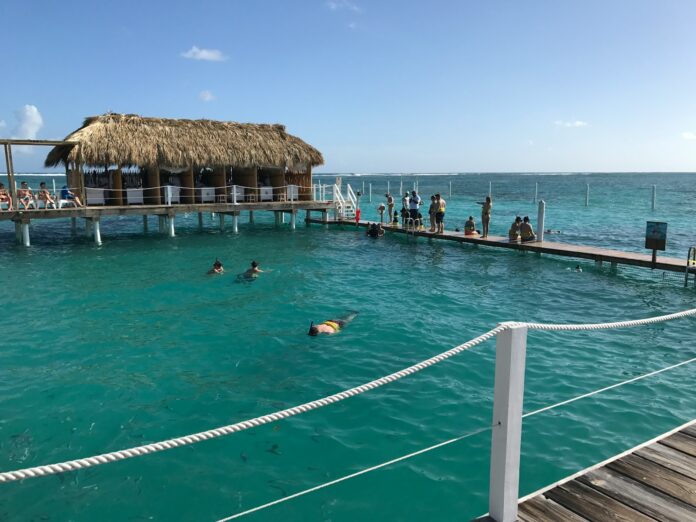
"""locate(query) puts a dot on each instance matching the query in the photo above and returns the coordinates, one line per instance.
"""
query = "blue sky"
(380, 86)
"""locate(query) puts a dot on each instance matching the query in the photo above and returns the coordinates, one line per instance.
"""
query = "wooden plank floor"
(604, 255)
(652, 482)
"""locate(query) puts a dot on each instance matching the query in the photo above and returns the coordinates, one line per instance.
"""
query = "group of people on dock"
(412, 218)
(26, 197)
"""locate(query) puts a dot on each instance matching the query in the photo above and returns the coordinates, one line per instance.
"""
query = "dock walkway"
(654, 481)
(599, 255)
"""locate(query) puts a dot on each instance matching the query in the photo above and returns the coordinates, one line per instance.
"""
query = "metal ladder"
(690, 266)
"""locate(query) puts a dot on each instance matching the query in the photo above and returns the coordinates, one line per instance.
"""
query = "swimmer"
(253, 272)
(217, 268)
(578, 268)
(331, 326)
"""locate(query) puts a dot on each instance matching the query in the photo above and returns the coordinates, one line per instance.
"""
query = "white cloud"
(352, 25)
(689, 135)
(337, 5)
(572, 123)
(29, 122)
(209, 55)
(206, 96)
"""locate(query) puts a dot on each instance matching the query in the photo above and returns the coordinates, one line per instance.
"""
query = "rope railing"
(73, 465)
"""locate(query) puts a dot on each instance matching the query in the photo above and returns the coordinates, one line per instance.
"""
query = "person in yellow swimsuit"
(331, 326)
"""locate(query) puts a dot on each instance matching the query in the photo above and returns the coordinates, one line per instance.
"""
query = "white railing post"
(168, 194)
(654, 196)
(510, 348)
(587, 196)
(540, 220)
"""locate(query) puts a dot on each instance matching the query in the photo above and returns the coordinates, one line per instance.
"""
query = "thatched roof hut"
(129, 139)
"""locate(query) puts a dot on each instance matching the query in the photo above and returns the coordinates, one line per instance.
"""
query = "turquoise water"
(114, 346)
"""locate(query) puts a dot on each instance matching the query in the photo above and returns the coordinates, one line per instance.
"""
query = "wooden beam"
(52, 143)
(117, 189)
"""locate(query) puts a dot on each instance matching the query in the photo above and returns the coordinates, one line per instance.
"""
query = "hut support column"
(88, 227)
(161, 224)
(97, 231)
(276, 215)
(221, 218)
(171, 225)
(235, 222)
(18, 232)
(200, 221)
(308, 216)
(73, 225)
(118, 187)
(144, 223)
(293, 219)
(25, 234)
(251, 216)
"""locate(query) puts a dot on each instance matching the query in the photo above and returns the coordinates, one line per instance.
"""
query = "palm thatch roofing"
(129, 139)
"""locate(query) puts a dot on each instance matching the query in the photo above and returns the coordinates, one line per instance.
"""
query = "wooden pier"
(599, 255)
(654, 481)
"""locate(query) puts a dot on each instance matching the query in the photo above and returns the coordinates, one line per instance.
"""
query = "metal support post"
(161, 223)
(25, 234)
(308, 216)
(293, 219)
(200, 221)
(370, 200)
(170, 222)
(654, 196)
(536, 191)
(96, 225)
(251, 216)
(88, 227)
(490, 189)
(235, 222)
(221, 220)
(276, 216)
(540, 220)
(18, 232)
(511, 347)
(587, 196)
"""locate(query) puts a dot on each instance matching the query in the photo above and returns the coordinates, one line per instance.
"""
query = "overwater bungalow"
(125, 159)
(125, 164)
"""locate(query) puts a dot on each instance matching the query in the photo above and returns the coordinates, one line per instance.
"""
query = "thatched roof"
(129, 139)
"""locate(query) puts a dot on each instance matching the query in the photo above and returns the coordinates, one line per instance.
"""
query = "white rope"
(114, 456)
(72, 465)
(441, 444)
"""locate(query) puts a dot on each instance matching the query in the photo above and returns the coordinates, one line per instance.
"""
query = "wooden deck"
(162, 210)
(600, 255)
(654, 481)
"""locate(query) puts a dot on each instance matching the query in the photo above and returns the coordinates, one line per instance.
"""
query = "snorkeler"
(331, 326)
(217, 268)
(253, 271)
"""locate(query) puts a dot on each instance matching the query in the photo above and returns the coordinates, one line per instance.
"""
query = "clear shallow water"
(114, 346)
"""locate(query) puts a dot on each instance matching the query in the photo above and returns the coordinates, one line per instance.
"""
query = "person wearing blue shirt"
(69, 195)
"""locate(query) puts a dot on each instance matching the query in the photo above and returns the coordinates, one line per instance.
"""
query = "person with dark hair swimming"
(330, 326)
(217, 268)
(253, 271)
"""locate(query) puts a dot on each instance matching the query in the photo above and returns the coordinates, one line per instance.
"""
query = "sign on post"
(655, 238)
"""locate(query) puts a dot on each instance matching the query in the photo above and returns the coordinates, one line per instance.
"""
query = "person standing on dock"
(432, 210)
(390, 205)
(404, 209)
(486, 207)
(440, 214)
(413, 203)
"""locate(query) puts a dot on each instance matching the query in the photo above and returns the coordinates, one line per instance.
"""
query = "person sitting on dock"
(440, 214)
(514, 232)
(5, 197)
(253, 271)
(45, 196)
(217, 268)
(331, 326)
(470, 227)
(526, 230)
(69, 195)
(24, 195)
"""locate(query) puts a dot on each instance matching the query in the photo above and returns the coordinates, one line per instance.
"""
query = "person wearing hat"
(330, 326)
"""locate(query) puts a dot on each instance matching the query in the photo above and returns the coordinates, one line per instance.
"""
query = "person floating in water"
(331, 326)
(217, 267)
(374, 230)
(253, 271)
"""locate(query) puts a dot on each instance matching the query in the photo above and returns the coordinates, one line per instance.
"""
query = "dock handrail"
(511, 340)
(351, 195)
